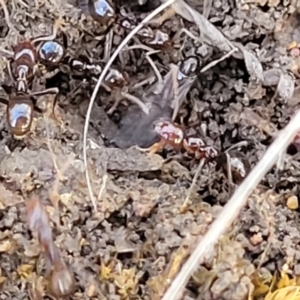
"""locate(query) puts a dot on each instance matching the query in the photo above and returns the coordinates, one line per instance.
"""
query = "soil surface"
(149, 214)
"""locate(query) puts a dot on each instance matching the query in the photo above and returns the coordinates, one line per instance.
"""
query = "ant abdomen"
(19, 115)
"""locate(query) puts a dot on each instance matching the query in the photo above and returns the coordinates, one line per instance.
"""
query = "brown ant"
(60, 279)
(174, 135)
(22, 69)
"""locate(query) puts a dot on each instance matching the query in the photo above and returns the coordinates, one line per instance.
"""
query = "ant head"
(51, 52)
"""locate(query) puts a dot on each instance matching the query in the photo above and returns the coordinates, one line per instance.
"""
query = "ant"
(156, 39)
(83, 68)
(116, 81)
(174, 135)
(22, 69)
(60, 279)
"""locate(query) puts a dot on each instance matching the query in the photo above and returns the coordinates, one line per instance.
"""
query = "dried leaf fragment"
(286, 86)
(176, 262)
(210, 33)
(106, 271)
(127, 282)
(5, 246)
(38, 287)
(253, 66)
(25, 271)
(2, 278)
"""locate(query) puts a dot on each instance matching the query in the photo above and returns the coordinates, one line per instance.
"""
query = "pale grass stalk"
(231, 210)
(195, 178)
(7, 18)
(215, 62)
(101, 77)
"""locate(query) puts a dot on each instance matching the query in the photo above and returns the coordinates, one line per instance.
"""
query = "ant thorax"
(23, 72)
(27, 53)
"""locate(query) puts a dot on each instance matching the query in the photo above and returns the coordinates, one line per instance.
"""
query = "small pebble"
(256, 239)
(292, 202)
(295, 52)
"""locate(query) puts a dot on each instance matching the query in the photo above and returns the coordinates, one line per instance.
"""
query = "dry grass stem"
(7, 18)
(147, 56)
(233, 207)
(175, 70)
(149, 80)
(56, 26)
(101, 77)
(152, 64)
(136, 101)
(7, 52)
(206, 8)
(53, 194)
(215, 62)
(60, 176)
(103, 186)
(187, 198)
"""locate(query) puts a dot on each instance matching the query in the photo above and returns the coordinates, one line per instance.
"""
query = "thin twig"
(108, 45)
(215, 62)
(187, 198)
(233, 207)
(103, 186)
(7, 52)
(175, 70)
(207, 7)
(152, 64)
(137, 101)
(147, 56)
(59, 174)
(7, 18)
(56, 26)
(96, 89)
(149, 80)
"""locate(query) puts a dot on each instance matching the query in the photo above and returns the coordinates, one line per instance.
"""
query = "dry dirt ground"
(141, 234)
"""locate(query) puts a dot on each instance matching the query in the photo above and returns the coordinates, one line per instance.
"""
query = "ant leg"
(53, 115)
(46, 92)
(7, 88)
(9, 69)
(4, 101)
(154, 148)
(38, 109)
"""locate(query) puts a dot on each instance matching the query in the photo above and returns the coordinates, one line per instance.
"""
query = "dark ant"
(156, 39)
(83, 68)
(51, 53)
(22, 69)
(114, 82)
(60, 279)
(101, 11)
